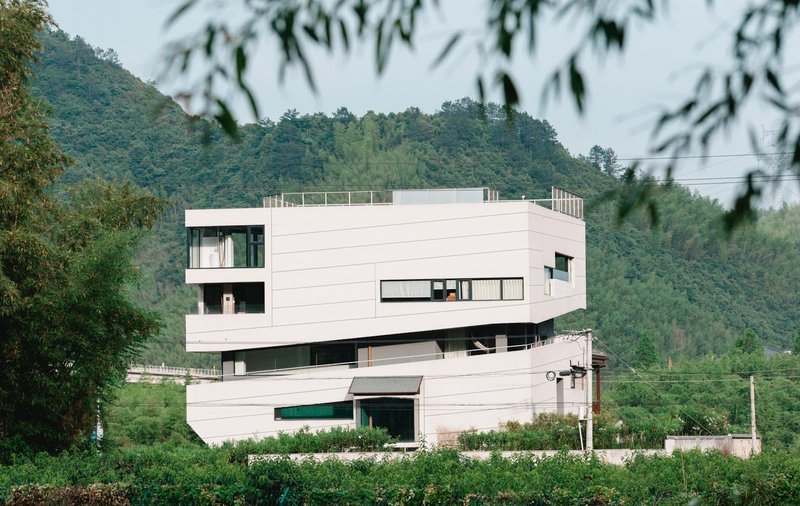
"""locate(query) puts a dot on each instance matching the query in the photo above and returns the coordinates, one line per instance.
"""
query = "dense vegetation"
(643, 406)
(681, 283)
(68, 324)
(149, 455)
(191, 475)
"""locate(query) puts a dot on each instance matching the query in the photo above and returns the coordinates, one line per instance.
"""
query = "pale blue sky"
(623, 92)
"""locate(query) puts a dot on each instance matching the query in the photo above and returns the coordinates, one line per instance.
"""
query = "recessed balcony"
(229, 299)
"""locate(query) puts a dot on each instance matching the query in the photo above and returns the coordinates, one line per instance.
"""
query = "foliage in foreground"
(147, 413)
(550, 431)
(68, 325)
(711, 395)
(195, 475)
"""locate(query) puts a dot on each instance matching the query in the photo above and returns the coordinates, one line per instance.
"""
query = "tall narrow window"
(438, 290)
(465, 293)
(255, 246)
(548, 277)
(451, 289)
(193, 239)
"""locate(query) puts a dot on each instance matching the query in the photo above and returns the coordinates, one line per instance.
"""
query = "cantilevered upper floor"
(318, 267)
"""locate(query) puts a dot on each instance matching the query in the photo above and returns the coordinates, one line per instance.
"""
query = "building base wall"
(455, 395)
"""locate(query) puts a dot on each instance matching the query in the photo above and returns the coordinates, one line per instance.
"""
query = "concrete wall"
(738, 445)
(324, 267)
(456, 394)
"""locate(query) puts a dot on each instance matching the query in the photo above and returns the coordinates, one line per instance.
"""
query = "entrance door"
(394, 415)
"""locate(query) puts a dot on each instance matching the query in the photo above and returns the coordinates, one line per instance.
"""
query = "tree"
(67, 323)
(749, 342)
(609, 163)
(796, 343)
(646, 354)
(604, 160)
(754, 72)
(595, 158)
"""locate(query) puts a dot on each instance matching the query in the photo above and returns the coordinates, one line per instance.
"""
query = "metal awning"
(386, 385)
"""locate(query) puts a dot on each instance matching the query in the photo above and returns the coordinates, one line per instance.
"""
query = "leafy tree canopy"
(754, 72)
(67, 323)
(749, 342)
(646, 354)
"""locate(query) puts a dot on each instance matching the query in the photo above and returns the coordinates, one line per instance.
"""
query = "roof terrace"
(561, 201)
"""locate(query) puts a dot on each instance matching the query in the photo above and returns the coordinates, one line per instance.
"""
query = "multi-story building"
(427, 312)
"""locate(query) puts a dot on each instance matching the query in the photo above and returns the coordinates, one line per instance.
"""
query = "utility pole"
(753, 413)
(590, 394)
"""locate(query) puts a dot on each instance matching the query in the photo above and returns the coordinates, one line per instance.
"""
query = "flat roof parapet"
(562, 201)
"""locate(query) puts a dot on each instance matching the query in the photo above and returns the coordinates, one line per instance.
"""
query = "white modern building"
(427, 312)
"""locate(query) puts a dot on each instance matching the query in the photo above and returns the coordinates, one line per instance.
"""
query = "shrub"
(114, 494)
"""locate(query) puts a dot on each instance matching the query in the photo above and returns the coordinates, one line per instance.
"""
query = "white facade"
(329, 293)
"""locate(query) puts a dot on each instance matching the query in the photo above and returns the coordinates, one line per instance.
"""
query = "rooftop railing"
(561, 201)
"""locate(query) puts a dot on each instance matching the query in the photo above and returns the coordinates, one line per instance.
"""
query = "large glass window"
(395, 415)
(220, 247)
(329, 411)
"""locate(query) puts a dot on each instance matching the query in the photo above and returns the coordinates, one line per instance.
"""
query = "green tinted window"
(330, 411)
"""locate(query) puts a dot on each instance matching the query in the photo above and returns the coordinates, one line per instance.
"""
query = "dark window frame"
(251, 245)
(279, 412)
(458, 289)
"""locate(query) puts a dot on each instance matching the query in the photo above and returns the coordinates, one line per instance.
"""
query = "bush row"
(209, 476)
(551, 431)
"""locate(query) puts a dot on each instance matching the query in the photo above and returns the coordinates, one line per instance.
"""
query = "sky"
(625, 93)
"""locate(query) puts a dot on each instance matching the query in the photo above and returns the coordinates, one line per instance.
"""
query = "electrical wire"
(658, 392)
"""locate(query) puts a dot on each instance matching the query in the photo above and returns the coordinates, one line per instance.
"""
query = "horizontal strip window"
(329, 411)
(444, 290)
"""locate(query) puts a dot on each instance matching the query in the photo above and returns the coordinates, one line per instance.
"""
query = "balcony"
(229, 298)
(449, 353)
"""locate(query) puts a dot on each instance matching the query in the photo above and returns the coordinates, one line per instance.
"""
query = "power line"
(688, 415)
(432, 377)
(701, 157)
(705, 380)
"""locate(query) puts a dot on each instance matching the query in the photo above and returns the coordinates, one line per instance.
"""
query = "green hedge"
(209, 476)
(551, 431)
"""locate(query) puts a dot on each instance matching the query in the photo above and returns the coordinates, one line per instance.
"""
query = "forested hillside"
(682, 282)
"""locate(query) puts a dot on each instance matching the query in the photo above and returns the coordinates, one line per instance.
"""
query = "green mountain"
(680, 282)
